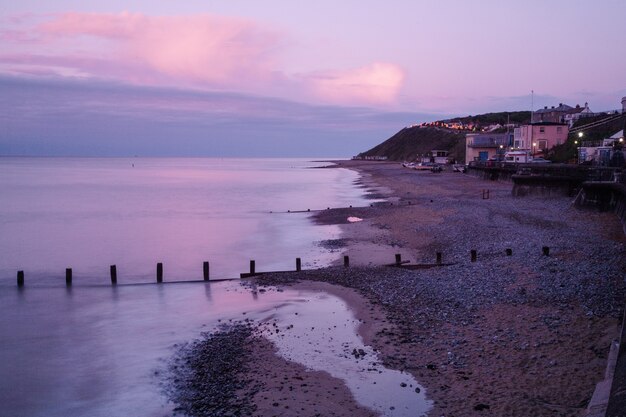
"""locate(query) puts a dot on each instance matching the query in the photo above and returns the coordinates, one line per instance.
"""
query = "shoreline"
(516, 335)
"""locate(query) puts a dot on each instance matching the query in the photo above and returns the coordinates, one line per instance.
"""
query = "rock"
(481, 407)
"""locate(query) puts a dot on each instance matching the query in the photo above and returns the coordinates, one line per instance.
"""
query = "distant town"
(563, 133)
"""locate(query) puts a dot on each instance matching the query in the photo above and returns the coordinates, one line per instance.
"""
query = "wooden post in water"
(439, 258)
(252, 267)
(20, 279)
(473, 255)
(346, 261)
(398, 259)
(68, 276)
(205, 270)
(546, 251)
(509, 252)
(160, 272)
(113, 270)
(298, 264)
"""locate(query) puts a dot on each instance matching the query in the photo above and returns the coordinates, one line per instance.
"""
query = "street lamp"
(534, 148)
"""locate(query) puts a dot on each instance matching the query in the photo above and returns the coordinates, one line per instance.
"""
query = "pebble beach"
(513, 333)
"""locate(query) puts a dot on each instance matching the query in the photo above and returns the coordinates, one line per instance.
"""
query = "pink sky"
(437, 57)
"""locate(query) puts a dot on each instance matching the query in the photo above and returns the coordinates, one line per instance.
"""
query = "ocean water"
(102, 351)
(99, 350)
(89, 213)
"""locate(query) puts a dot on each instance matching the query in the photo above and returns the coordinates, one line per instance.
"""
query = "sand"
(520, 335)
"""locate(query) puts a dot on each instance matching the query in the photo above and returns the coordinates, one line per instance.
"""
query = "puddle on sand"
(93, 351)
(319, 331)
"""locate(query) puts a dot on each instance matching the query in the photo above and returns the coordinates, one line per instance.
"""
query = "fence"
(398, 263)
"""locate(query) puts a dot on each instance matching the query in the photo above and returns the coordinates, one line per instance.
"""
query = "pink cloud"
(197, 51)
(205, 49)
(377, 83)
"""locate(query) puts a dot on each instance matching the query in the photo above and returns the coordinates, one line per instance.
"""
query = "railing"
(594, 124)
(579, 172)
(489, 142)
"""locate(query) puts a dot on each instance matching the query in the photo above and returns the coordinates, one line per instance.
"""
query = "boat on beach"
(459, 168)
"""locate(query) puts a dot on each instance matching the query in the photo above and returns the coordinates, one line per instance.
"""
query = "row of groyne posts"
(253, 272)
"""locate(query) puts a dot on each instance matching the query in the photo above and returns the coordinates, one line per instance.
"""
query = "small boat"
(424, 166)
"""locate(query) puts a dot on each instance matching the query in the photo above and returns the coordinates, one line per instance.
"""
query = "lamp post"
(534, 149)
(580, 137)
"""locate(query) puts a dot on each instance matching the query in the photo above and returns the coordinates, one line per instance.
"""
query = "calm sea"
(103, 350)
(88, 213)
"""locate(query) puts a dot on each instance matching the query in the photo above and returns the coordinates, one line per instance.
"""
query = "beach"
(517, 335)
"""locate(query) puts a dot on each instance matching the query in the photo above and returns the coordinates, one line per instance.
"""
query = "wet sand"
(516, 335)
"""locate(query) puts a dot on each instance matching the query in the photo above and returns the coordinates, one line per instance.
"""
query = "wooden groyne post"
(159, 272)
(545, 250)
(473, 255)
(68, 276)
(113, 270)
(205, 270)
(20, 279)
(509, 252)
(252, 267)
(346, 261)
(439, 258)
(298, 264)
(398, 259)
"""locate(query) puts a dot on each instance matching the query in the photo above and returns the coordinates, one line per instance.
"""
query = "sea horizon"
(88, 213)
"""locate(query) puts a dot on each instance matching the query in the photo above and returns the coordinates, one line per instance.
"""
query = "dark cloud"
(58, 116)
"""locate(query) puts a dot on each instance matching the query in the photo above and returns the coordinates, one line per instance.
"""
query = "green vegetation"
(518, 117)
(568, 152)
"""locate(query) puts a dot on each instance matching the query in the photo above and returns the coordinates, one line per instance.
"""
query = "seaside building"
(561, 114)
(572, 117)
(602, 155)
(439, 156)
(486, 146)
(539, 137)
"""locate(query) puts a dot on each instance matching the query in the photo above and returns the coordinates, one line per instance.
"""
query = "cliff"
(410, 142)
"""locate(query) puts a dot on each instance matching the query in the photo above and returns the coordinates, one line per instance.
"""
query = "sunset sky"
(288, 78)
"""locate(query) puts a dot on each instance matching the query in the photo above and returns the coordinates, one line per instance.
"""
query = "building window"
(542, 130)
(559, 129)
(543, 144)
(517, 143)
